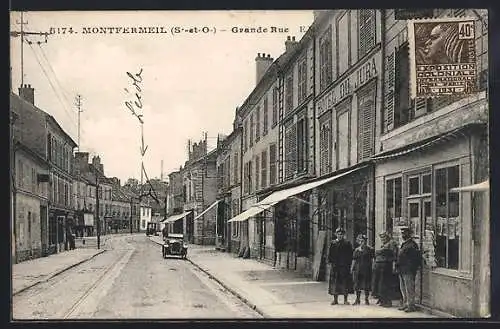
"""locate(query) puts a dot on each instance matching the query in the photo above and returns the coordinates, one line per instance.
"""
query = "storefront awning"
(175, 218)
(278, 196)
(204, 211)
(418, 145)
(483, 186)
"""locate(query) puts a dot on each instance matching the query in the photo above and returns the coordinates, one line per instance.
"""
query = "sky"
(191, 82)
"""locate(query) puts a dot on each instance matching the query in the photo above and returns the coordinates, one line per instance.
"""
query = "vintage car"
(173, 245)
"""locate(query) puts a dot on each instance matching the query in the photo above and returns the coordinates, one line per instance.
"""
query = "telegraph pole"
(22, 33)
(97, 209)
(78, 103)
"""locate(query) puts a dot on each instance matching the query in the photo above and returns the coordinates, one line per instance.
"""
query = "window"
(235, 169)
(49, 146)
(272, 164)
(290, 150)
(66, 194)
(34, 183)
(325, 143)
(302, 68)
(245, 136)
(257, 124)
(252, 130)
(366, 31)
(263, 169)
(289, 94)
(257, 172)
(448, 222)
(402, 87)
(325, 59)
(393, 201)
(265, 123)
(366, 122)
(250, 177)
(343, 135)
(275, 106)
(302, 145)
(227, 171)
(343, 43)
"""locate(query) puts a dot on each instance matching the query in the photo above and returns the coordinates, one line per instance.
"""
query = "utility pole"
(78, 103)
(22, 33)
(98, 222)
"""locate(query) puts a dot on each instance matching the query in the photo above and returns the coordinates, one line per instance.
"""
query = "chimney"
(82, 159)
(27, 93)
(290, 43)
(262, 63)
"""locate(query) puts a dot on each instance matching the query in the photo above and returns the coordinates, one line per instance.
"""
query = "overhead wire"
(50, 82)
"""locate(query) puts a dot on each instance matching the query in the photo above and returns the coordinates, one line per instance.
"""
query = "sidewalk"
(278, 293)
(32, 272)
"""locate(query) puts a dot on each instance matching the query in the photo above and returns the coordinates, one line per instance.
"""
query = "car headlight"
(184, 246)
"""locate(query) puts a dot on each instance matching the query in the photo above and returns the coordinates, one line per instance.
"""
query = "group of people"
(367, 270)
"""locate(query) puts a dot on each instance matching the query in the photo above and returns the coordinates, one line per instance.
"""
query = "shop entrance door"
(420, 222)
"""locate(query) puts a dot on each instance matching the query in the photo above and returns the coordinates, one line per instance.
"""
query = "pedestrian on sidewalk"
(362, 269)
(408, 262)
(340, 259)
(383, 271)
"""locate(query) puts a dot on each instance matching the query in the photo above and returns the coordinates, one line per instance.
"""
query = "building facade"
(200, 189)
(31, 189)
(41, 133)
(429, 147)
(145, 210)
(229, 188)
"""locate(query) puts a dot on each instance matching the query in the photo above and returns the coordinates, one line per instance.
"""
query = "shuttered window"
(290, 150)
(250, 177)
(302, 70)
(302, 145)
(245, 179)
(366, 27)
(402, 86)
(235, 169)
(325, 143)
(325, 59)
(272, 164)
(257, 124)
(275, 106)
(289, 94)
(257, 172)
(263, 169)
(245, 136)
(366, 122)
(252, 131)
(389, 93)
(265, 121)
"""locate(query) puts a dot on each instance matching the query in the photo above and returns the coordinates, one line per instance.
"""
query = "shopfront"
(415, 187)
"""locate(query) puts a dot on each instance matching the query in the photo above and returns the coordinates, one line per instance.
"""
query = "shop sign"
(349, 84)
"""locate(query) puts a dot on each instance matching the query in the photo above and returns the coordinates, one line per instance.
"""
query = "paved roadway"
(130, 281)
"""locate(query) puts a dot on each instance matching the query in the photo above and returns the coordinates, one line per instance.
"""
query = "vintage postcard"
(249, 164)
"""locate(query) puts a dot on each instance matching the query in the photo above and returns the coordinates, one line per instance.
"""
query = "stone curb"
(56, 273)
(231, 290)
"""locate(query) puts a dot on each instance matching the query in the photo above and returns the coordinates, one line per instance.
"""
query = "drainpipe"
(13, 187)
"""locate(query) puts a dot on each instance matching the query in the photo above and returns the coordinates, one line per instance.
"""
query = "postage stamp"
(442, 57)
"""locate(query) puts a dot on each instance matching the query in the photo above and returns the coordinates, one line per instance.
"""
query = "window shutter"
(257, 172)
(420, 107)
(290, 150)
(389, 95)
(325, 147)
(366, 123)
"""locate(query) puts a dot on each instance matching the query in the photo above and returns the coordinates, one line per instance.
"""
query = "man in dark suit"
(340, 259)
(408, 263)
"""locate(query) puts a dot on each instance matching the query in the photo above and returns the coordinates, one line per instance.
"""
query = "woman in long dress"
(383, 271)
(362, 269)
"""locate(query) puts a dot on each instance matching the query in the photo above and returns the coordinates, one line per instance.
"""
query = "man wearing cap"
(340, 258)
(408, 262)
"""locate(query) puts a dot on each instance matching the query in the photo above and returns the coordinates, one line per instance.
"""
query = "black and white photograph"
(249, 164)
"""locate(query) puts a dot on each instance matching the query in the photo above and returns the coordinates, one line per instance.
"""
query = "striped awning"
(483, 186)
(175, 218)
(206, 210)
(279, 196)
